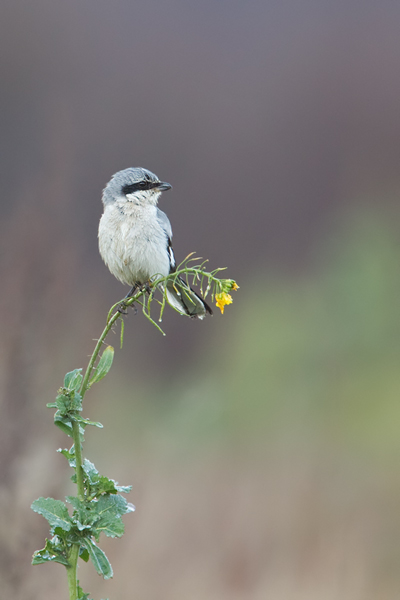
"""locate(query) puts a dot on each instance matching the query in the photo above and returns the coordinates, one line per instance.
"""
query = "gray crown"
(113, 189)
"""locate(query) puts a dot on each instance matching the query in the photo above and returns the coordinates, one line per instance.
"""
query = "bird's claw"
(122, 309)
(148, 288)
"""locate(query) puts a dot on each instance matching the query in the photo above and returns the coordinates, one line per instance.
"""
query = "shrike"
(135, 238)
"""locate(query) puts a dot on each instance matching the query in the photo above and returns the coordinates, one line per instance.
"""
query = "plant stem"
(71, 572)
(85, 383)
(83, 390)
(76, 434)
(78, 459)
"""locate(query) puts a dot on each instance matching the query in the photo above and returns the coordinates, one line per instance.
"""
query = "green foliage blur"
(315, 355)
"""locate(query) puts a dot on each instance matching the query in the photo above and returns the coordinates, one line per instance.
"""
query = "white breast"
(133, 243)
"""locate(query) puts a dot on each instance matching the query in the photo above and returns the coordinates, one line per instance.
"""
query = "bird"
(135, 238)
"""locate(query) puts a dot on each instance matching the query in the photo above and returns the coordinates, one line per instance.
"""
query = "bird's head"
(136, 185)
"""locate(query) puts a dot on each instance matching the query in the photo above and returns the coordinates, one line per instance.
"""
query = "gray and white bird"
(135, 238)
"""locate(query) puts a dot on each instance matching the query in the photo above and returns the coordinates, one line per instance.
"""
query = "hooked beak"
(163, 187)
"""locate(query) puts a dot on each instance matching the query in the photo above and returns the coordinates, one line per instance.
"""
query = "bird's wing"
(166, 225)
(164, 222)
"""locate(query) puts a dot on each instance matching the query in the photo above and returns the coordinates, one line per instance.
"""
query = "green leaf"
(122, 489)
(99, 559)
(103, 515)
(110, 526)
(60, 533)
(87, 422)
(81, 594)
(90, 470)
(50, 553)
(104, 365)
(84, 554)
(76, 502)
(63, 423)
(113, 505)
(55, 511)
(68, 400)
(100, 484)
(103, 486)
(84, 514)
(69, 455)
(110, 508)
(73, 380)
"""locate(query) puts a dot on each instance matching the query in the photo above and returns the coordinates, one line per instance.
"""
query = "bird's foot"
(147, 287)
(122, 309)
(132, 290)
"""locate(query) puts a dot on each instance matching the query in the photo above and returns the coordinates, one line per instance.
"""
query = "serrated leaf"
(69, 455)
(81, 593)
(84, 516)
(111, 526)
(100, 516)
(52, 552)
(55, 511)
(122, 489)
(73, 380)
(98, 558)
(104, 365)
(75, 502)
(101, 484)
(87, 422)
(112, 504)
(40, 557)
(105, 486)
(90, 470)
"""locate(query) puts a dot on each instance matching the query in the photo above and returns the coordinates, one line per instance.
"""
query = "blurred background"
(263, 446)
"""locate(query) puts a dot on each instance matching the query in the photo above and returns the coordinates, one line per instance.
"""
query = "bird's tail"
(185, 300)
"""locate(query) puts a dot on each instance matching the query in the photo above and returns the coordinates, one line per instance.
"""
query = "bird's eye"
(143, 184)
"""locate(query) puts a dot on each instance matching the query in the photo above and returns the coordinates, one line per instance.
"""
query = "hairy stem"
(71, 572)
(110, 322)
(85, 382)
(76, 434)
(83, 390)
(78, 459)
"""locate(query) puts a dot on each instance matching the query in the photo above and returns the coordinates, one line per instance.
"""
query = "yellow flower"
(222, 299)
(227, 285)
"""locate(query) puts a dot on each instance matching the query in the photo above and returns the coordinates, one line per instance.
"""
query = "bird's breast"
(132, 243)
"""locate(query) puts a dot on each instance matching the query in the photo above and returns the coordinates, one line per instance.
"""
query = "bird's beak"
(163, 187)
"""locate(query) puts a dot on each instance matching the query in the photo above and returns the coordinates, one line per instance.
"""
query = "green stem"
(76, 429)
(85, 383)
(84, 387)
(78, 459)
(76, 434)
(110, 322)
(71, 572)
